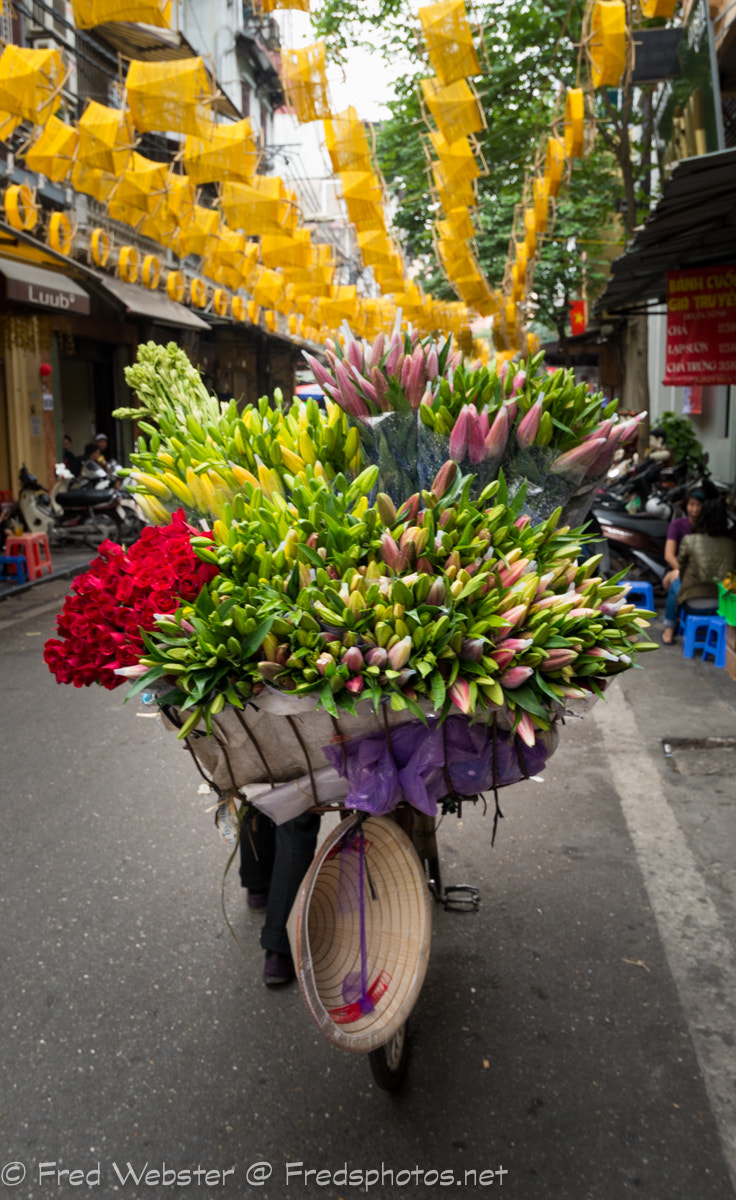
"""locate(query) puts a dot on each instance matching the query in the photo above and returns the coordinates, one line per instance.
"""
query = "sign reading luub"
(701, 326)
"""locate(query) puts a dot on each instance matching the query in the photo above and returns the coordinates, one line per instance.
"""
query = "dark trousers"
(276, 858)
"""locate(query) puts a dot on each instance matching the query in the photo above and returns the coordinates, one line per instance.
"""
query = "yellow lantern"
(608, 43)
(574, 123)
(198, 293)
(347, 143)
(89, 13)
(221, 152)
(142, 184)
(151, 271)
(53, 150)
(92, 182)
(128, 264)
(106, 138)
(175, 284)
(305, 82)
(174, 95)
(99, 247)
(658, 8)
(530, 232)
(31, 83)
(262, 207)
(21, 210)
(449, 40)
(199, 230)
(61, 233)
(239, 309)
(455, 108)
(272, 321)
(541, 203)
(221, 302)
(554, 164)
(254, 312)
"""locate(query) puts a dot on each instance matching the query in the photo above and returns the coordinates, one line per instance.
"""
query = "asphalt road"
(572, 1039)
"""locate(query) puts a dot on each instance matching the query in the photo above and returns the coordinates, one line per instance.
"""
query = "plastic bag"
(423, 764)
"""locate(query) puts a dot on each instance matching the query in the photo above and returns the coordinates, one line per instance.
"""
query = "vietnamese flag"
(577, 316)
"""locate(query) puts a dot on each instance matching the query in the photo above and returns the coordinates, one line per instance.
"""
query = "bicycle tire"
(388, 1063)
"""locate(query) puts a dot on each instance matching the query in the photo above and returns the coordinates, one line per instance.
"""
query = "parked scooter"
(88, 512)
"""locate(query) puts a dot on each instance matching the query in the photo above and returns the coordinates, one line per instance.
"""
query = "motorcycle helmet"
(657, 507)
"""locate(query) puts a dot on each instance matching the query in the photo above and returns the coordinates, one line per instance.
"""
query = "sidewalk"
(66, 562)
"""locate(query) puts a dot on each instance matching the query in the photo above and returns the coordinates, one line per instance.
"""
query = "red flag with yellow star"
(577, 317)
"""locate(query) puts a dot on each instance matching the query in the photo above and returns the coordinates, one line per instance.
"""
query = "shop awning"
(693, 225)
(144, 303)
(47, 289)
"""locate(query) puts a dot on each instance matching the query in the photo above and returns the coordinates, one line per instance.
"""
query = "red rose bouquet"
(100, 625)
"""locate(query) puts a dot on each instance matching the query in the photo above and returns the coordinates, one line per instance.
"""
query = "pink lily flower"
(498, 434)
(525, 730)
(529, 425)
(459, 693)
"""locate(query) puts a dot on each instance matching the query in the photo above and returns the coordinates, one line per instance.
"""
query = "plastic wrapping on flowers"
(321, 585)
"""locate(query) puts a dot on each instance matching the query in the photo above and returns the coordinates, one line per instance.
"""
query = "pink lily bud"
(529, 425)
(522, 521)
(270, 671)
(513, 616)
(389, 550)
(628, 429)
(444, 478)
(525, 730)
(459, 693)
(503, 370)
(437, 593)
(355, 354)
(472, 649)
(376, 353)
(134, 672)
(392, 366)
(582, 612)
(498, 434)
(320, 374)
(519, 381)
(409, 509)
(406, 367)
(476, 435)
(355, 684)
(512, 408)
(515, 676)
(353, 659)
(399, 654)
(460, 435)
(508, 576)
(433, 365)
(558, 657)
(377, 656)
(323, 662)
(516, 645)
(350, 400)
(578, 460)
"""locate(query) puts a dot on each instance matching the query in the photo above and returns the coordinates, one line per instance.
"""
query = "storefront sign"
(701, 326)
(47, 295)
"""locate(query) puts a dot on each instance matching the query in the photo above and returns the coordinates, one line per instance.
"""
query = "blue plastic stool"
(641, 591)
(7, 561)
(707, 634)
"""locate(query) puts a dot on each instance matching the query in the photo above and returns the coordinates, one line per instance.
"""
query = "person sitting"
(69, 458)
(706, 555)
(678, 529)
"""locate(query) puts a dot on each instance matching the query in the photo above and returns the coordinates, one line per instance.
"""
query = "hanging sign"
(701, 326)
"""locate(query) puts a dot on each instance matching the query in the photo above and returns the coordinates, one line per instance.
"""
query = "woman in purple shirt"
(679, 528)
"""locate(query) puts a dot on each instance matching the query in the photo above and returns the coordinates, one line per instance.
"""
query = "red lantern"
(45, 370)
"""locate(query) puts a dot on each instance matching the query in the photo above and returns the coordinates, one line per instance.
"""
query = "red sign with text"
(701, 326)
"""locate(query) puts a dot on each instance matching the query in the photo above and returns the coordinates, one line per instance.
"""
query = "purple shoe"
(256, 901)
(277, 969)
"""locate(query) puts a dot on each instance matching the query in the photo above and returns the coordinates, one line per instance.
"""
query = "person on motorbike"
(706, 555)
(678, 529)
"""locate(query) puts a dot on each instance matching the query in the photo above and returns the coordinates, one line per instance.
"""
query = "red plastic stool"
(35, 547)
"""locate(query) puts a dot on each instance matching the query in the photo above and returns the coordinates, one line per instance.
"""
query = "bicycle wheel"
(389, 1062)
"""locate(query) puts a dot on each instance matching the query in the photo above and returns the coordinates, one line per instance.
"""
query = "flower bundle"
(485, 418)
(201, 453)
(445, 599)
(100, 624)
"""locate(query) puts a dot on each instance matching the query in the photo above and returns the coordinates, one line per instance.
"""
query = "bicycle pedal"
(461, 897)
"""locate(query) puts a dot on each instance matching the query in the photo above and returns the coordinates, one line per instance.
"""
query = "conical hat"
(325, 933)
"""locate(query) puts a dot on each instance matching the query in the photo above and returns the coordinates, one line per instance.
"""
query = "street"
(576, 1038)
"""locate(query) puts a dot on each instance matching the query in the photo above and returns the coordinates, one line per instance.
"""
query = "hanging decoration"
(61, 233)
(106, 138)
(607, 46)
(89, 13)
(31, 82)
(52, 151)
(449, 40)
(174, 96)
(305, 82)
(221, 152)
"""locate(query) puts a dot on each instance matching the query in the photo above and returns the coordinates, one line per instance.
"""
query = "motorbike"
(88, 512)
(632, 516)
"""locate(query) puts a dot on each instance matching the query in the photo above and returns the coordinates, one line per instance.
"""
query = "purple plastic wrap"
(421, 759)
